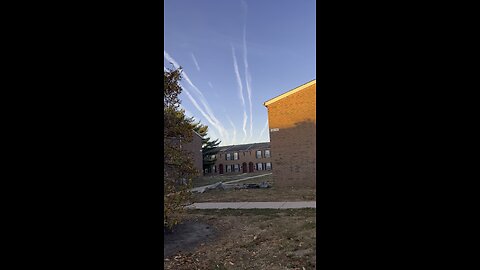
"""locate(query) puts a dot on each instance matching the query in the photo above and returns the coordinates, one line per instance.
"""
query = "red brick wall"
(243, 157)
(195, 148)
(293, 146)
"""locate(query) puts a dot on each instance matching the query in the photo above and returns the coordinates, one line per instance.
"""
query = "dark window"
(259, 166)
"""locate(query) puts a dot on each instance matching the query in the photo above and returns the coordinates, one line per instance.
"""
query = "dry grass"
(273, 194)
(253, 239)
(208, 180)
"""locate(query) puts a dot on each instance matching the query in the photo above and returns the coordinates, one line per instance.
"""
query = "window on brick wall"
(229, 168)
(227, 156)
(237, 167)
(235, 155)
(267, 153)
(259, 153)
(268, 166)
(259, 167)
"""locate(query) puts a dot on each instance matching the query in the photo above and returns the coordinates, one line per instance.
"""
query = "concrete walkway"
(199, 189)
(253, 205)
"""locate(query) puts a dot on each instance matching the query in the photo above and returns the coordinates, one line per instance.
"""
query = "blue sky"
(237, 54)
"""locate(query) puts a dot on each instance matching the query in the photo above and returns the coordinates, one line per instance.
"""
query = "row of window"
(236, 156)
(237, 167)
(264, 166)
(258, 166)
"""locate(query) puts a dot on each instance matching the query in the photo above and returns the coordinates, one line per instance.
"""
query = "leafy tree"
(178, 164)
(208, 147)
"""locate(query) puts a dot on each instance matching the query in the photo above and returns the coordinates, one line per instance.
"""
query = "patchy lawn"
(273, 194)
(208, 180)
(252, 239)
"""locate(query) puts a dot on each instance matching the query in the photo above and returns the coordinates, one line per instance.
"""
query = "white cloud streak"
(264, 128)
(221, 130)
(195, 61)
(206, 111)
(237, 73)
(248, 78)
(244, 125)
(234, 138)
(240, 92)
(210, 84)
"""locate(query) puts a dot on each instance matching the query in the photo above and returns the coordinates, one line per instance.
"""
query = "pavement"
(253, 205)
(202, 188)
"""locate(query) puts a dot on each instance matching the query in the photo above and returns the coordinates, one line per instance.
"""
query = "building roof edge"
(288, 93)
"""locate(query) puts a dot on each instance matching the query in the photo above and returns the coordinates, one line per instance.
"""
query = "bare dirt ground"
(249, 239)
(187, 236)
(273, 194)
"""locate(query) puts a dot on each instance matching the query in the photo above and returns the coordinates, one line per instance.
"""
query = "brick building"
(244, 158)
(192, 147)
(195, 148)
(292, 123)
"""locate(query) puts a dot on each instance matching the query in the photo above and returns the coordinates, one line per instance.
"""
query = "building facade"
(292, 125)
(194, 147)
(238, 159)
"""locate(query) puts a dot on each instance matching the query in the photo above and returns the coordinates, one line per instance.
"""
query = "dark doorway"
(244, 167)
(250, 167)
(220, 168)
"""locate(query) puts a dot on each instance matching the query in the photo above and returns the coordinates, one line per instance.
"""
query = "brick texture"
(247, 161)
(194, 147)
(294, 144)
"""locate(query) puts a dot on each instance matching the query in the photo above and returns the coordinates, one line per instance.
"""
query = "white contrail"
(209, 115)
(194, 102)
(244, 125)
(234, 131)
(223, 133)
(240, 92)
(185, 76)
(248, 78)
(264, 128)
(237, 73)
(195, 61)
(170, 59)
